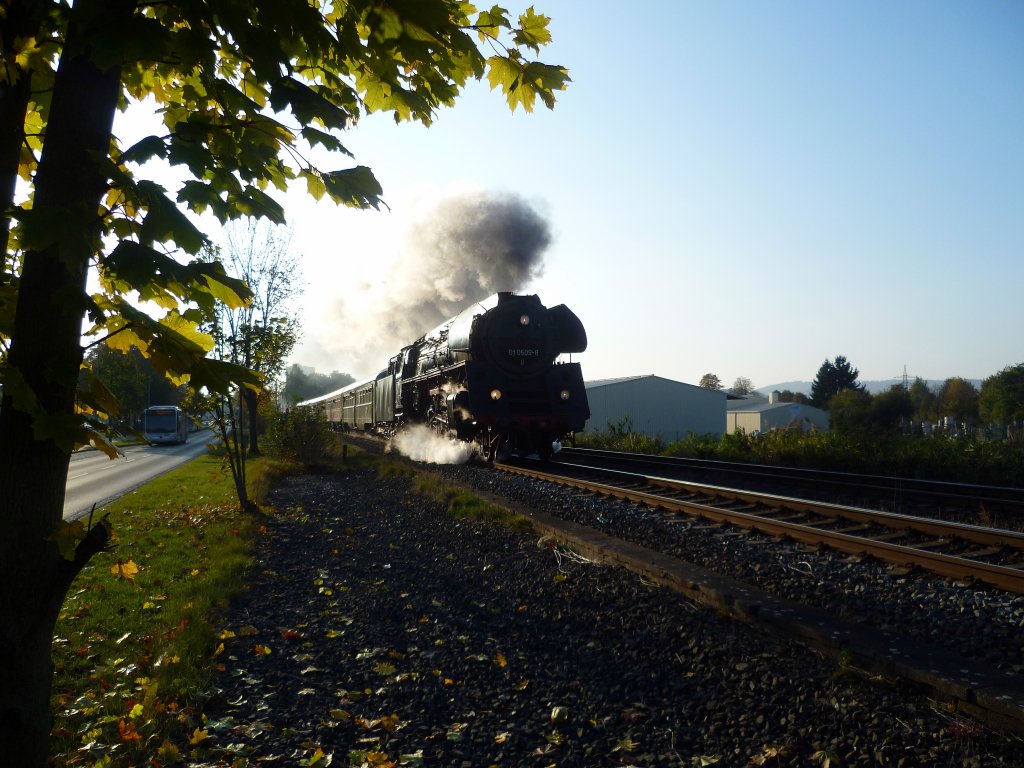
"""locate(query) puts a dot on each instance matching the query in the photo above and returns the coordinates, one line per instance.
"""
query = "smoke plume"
(468, 248)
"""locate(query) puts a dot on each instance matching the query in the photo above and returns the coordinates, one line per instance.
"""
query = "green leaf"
(93, 393)
(198, 196)
(164, 222)
(533, 30)
(523, 83)
(502, 73)
(355, 187)
(253, 202)
(224, 288)
(314, 184)
(145, 149)
(326, 140)
(306, 103)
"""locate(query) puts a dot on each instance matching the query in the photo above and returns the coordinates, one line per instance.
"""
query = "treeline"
(956, 404)
(996, 410)
(132, 380)
(136, 384)
(964, 459)
(977, 434)
(304, 384)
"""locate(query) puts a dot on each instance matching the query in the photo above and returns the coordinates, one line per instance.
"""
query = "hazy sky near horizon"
(738, 188)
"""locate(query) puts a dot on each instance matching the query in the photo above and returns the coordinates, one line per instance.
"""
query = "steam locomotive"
(488, 375)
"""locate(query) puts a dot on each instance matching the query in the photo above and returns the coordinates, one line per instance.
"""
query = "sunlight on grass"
(135, 640)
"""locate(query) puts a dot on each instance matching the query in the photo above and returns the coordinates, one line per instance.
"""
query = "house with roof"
(655, 406)
(759, 414)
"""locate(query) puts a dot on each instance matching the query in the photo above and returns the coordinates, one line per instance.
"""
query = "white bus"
(164, 424)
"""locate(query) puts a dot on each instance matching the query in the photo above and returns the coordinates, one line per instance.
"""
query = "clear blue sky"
(742, 188)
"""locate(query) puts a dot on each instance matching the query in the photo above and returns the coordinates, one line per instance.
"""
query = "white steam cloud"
(469, 247)
(420, 443)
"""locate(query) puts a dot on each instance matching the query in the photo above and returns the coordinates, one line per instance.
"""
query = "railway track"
(957, 639)
(952, 549)
(891, 493)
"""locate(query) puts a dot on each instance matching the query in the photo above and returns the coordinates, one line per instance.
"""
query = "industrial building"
(756, 415)
(655, 407)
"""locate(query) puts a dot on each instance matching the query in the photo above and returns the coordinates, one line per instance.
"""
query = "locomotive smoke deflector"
(571, 335)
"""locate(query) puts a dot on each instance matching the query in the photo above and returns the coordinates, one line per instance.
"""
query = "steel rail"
(883, 484)
(978, 534)
(1002, 577)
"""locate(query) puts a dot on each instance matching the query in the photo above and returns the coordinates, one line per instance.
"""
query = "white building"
(655, 407)
(763, 414)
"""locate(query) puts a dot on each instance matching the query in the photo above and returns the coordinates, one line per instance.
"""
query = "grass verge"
(134, 642)
(463, 504)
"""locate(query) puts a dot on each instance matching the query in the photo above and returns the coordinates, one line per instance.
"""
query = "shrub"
(300, 436)
(960, 459)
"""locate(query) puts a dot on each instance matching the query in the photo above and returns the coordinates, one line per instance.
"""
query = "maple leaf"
(67, 538)
(126, 570)
(319, 759)
(128, 732)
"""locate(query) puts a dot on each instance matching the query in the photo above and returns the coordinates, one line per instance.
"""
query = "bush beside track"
(963, 460)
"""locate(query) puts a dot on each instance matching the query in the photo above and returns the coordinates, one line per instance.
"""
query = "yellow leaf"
(188, 329)
(136, 712)
(126, 570)
(500, 661)
(67, 537)
(169, 751)
(198, 735)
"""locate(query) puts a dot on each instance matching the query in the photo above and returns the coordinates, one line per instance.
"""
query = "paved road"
(93, 478)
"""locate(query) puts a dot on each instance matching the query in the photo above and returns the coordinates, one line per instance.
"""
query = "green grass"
(135, 644)
(133, 650)
(463, 504)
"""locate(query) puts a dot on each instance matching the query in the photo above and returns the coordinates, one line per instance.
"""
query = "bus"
(164, 424)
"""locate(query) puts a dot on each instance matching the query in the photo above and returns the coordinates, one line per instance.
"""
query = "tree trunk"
(20, 23)
(43, 364)
(251, 398)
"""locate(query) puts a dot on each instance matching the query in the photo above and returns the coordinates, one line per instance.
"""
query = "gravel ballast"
(974, 621)
(378, 628)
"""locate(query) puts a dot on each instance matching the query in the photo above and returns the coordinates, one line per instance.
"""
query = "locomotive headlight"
(524, 319)
(564, 394)
(495, 394)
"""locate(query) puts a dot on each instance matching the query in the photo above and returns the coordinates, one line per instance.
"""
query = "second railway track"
(960, 639)
(956, 550)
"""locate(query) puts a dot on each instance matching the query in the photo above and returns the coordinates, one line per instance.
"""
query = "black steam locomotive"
(488, 375)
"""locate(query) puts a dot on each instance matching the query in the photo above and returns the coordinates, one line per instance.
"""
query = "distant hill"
(873, 387)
